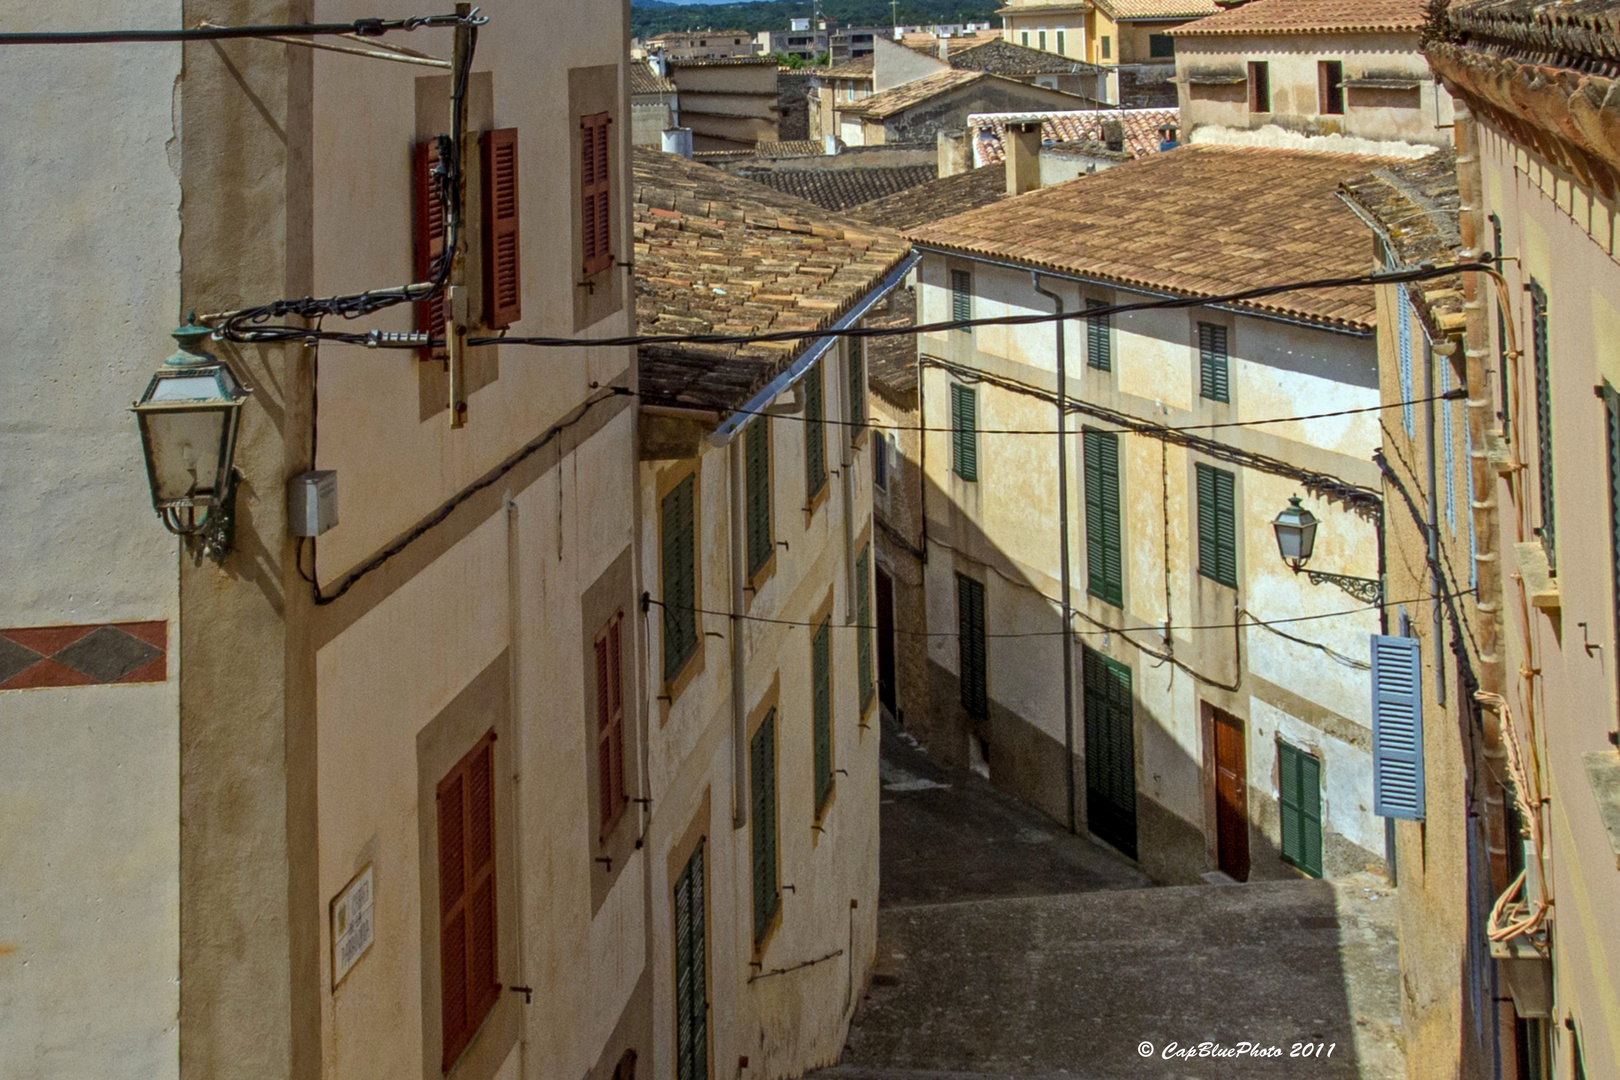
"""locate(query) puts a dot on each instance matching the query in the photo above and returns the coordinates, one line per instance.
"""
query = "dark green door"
(1110, 752)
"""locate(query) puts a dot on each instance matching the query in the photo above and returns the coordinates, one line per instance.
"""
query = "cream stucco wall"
(89, 805)
(1002, 529)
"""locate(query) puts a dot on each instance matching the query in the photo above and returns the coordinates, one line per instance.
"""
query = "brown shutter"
(610, 723)
(428, 241)
(595, 185)
(616, 695)
(503, 272)
(468, 984)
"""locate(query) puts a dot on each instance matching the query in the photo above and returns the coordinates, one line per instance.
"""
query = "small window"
(1330, 87)
(815, 436)
(1161, 47)
(1043, 40)
(1107, 47)
(762, 820)
(965, 432)
(1214, 363)
(962, 297)
(596, 193)
(1062, 50)
(880, 464)
(677, 531)
(1260, 87)
(821, 712)
(1541, 347)
(469, 984)
(757, 475)
(1099, 338)
(1105, 571)
(1299, 784)
(612, 792)
(1025, 37)
(1217, 525)
(970, 643)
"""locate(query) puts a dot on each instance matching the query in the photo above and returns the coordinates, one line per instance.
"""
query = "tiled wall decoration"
(44, 656)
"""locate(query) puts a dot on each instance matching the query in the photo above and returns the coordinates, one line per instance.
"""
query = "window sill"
(1537, 576)
(1603, 774)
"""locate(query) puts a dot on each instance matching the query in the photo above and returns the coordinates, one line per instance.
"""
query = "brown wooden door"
(885, 640)
(1231, 797)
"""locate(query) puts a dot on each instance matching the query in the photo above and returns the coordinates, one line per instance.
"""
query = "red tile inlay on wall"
(36, 657)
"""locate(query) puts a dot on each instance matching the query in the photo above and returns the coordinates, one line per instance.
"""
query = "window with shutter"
(428, 243)
(1214, 377)
(1299, 789)
(468, 980)
(857, 388)
(762, 777)
(503, 270)
(880, 463)
(961, 297)
(1330, 87)
(970, 643)
(1099, 335)
(1217, 525)
(815, 436)
(1260, 87)
(965, 431)
(691, 972)
(611, 789)
(1110, 750)
(863, 620)
(596, 193)
(757, 475)
(821, 712)
(1541, 346)
(1397, 711)
(1403, 337)
(1105, 564)
(678, 527)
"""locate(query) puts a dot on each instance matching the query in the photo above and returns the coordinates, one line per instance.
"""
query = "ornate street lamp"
(189, 418)
(1296, 540)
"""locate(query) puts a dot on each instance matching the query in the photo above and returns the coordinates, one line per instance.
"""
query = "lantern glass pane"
(188, 388)
(185, 449)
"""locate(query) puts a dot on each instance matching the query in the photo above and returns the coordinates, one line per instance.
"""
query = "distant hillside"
(649, 17)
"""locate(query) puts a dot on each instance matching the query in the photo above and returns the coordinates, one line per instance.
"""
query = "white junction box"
(312, 503)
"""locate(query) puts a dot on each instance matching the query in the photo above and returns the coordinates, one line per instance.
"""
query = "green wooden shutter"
(821, 711)
(961, 297)
(1105, 571)
(857, 386)
(1099, 344)
(1544, 429)
(964, 431)
(757, 475)
(970, 638)
(1217, 525)
(1110, 750)
(762, 777)
(1300, 802)
(815, 435)
(680, 574)
(1213, 375)
(863, 619)
(691, 973)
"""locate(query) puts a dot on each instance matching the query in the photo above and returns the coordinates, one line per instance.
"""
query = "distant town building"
(917, 110)
(702, 44)
(728, 104)
(1132, 38)
(655, 104)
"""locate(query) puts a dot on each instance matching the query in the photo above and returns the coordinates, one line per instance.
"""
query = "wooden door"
(885, 640)
(1110, 751)
(1231, 797)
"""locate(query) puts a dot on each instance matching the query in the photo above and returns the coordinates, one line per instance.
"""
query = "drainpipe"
(1063, 540)
(1487, 533)
(1432, 524)
(739, 703)
(846, 477)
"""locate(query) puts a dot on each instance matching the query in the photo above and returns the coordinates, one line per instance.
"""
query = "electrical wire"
(367, 28)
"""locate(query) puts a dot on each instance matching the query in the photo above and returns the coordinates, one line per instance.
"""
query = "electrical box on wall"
(312, 503)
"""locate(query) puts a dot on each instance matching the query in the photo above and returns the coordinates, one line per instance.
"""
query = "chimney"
(955, 153)
(1113, 136)
(830, 145)
(678, 141)
(1023, 144)
(942, 48)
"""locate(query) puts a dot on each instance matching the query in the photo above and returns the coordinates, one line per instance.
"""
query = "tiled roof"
(717, 253)
(937, 199)
(1313, 16)
(1158, 9)
(891, 362)
(644, 80)
(909, 95)
(790, 149)
(1587, 29)
(727, 61)
(1197, 221)
(1415, 206)
(1141, 129)
(840, 189)
(929, 43)
(853, 69)
(1000, 57)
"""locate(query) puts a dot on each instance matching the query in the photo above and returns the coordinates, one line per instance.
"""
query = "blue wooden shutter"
(821, 711)
(964, 431)
(1214, 379)
(1403, 337)
(961, 297)
(1448, 436)
(762, 777)
(815, 435)
(1397, 688)
(1105, 574)
(971, 658)
(863, 620)
(1544, 428)
(680, 573)
(757, 474)
(1099, 351)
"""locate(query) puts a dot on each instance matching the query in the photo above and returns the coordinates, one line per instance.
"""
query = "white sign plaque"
(352, 929)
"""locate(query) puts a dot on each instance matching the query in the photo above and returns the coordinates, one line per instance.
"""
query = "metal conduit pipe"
(739, 702)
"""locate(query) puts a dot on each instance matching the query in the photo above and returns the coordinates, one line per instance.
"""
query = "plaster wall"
(1413, 115)
(1072, 23)
(894, 64)
(1564, 235)
(998, 530)
(649, 120)
(89, 873)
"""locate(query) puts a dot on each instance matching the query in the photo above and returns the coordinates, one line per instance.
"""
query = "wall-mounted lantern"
(1296, 541)
(189, 417)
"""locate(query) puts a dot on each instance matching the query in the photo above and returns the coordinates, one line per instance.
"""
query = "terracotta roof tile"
(1197, 221)
(1312, 16)
(1085, 126)
(1543, 32)
(891, 362)
(908, 95)
(840, 189)
(644, 80)
(1000, 57)
(937, 199)
(715, 252)
(860, 68)
(1414, 205)
(1158, 9)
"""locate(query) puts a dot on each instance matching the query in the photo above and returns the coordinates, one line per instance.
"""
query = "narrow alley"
(1009, 948)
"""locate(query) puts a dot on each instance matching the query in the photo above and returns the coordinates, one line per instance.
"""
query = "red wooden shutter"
(612, 794)
(503, 272)
(428, 241)
(468, 984)
(595, 185)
